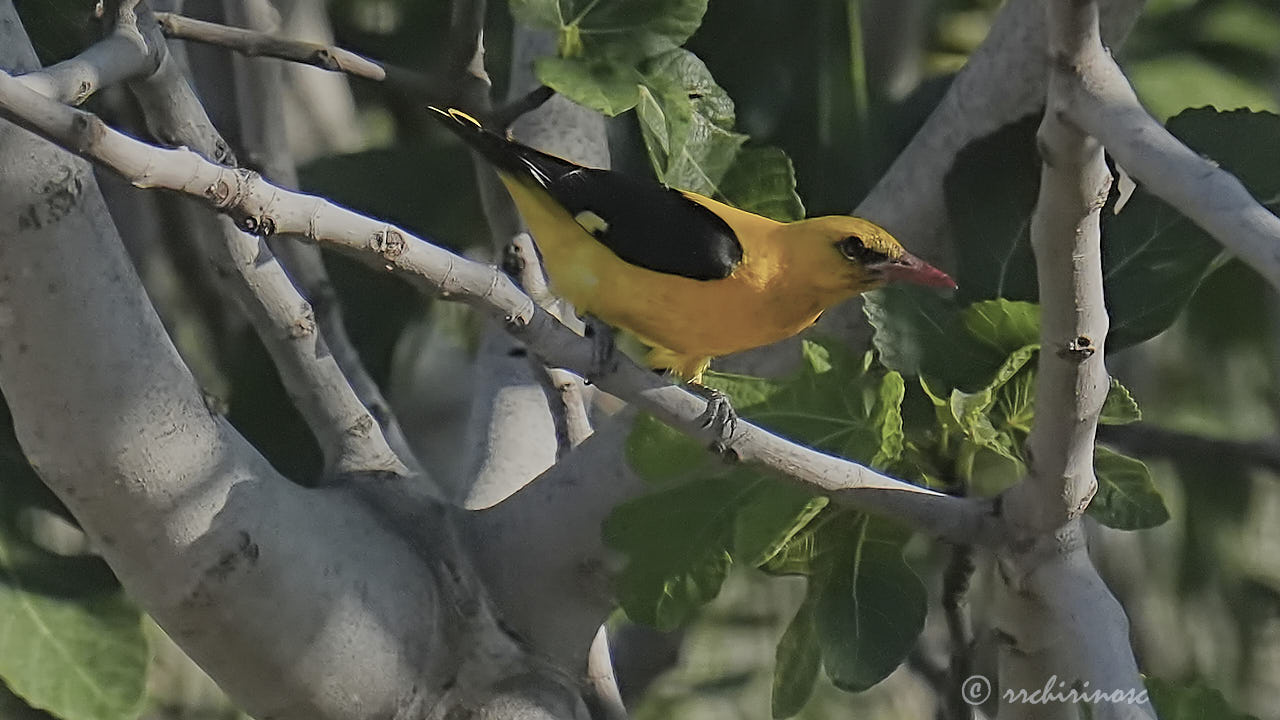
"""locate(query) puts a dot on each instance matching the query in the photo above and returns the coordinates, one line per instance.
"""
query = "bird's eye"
(853, 248)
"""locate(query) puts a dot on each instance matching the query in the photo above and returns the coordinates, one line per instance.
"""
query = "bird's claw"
(603, 348)
(719, 417)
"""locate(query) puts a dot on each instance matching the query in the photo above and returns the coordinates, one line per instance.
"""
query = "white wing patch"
(592, 223)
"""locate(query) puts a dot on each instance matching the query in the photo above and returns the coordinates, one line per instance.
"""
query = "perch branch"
(261, 208)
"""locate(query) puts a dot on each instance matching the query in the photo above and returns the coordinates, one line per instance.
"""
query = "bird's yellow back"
(692, 277)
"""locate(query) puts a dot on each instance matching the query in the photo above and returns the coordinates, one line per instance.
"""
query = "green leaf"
(918, 332)
(1154, 259)
(677, 544)
(871, 608)
(762, 180)
(775, 513)
(1127, 499)
(617, 29)
(798, 662)
(1016, 397)
(660, 453)
(1190, 702)
(990, 192)
(816, 356)
(79, 655)
(681, 541)
(686, 121)
(845, 411)
(609, 87)
(1119, 408)
(1003, 325)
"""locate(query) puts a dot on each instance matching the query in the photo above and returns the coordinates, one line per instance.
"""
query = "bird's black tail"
(504, 154)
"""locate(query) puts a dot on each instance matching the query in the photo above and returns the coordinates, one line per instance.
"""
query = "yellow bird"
(691, 277)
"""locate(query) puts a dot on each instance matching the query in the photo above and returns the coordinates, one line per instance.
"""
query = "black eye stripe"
(853, 248)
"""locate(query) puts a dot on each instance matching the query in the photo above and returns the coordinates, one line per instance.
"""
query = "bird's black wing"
(642, 222)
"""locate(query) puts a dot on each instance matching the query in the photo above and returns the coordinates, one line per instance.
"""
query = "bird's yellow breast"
(756, 305)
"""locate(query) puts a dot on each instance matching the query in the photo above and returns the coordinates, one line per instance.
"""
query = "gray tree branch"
(1062, 628)
(262, 207)
(266, 584)
(1004, 80)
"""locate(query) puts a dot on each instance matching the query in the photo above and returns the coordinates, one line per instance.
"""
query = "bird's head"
(855, 255)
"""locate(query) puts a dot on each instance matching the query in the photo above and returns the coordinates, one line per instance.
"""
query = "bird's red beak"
(912, 269)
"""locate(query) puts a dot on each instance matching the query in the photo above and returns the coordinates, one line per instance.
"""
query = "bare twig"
(261, 111)
(260, 44)
(566, 393)
(259, 207)
(349, 438)
(122, 55)
(1145, 439)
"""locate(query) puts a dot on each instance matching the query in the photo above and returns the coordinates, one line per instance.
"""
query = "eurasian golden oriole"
(691, 277)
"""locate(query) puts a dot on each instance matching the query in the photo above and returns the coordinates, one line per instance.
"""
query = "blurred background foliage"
(840, 86)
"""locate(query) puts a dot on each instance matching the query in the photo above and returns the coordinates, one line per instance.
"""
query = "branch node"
(387, 242)
(305, 325)
(86, 131)
(361, 427)
(1078, 349)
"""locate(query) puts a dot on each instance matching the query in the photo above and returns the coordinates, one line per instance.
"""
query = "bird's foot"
(603, 349)
(719, 417)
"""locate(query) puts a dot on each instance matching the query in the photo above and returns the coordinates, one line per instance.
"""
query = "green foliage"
(762, 180)
(687, 123)
(1190, 702)
(984, 407)
(918, 332)
(871, 606)
(1127, 499)
(616, 55)
(1154, 259)
(621, 30)
(70, 643)
(681, 540)
(990, 192)
(68, 646)
(1119, 408)
(798, 660)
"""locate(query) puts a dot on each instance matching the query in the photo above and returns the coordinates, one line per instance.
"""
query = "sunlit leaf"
(1119, 408)
(762, 180)
(616, 29)
(1003, 325)
(686, 121)
(612, 88)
